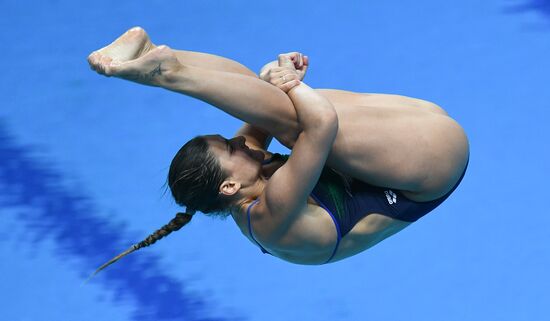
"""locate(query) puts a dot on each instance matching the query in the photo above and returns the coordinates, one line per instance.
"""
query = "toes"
(108, 71)
(98, 62)
(114, 70)
(105, 60)
(93, 59)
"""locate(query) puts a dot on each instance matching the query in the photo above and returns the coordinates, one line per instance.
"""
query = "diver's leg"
(390, 140)
(429, 163)
(135, 43)
(212, 62)
(228, 87)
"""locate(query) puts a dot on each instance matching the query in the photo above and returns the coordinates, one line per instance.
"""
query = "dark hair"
(194, 179)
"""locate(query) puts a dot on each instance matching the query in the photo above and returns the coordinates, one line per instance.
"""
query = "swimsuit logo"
(391, 196)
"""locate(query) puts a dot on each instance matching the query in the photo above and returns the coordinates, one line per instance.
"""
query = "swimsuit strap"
(338, 232)
(250, 225)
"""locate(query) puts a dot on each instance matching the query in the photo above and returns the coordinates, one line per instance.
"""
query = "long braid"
(175, 224)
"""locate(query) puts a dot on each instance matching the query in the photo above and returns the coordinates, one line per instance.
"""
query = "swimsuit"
(349, 200)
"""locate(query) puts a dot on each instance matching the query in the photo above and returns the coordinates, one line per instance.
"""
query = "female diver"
(362, 166)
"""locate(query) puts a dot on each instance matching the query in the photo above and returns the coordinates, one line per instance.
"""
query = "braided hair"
(175, 224)
(194, 179)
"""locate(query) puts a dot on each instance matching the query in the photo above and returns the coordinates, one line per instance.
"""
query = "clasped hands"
(290, 71)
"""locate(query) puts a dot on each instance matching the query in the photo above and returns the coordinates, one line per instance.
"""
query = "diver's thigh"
(418, 152)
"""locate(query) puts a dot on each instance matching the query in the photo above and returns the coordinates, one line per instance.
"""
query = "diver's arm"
(287, 191)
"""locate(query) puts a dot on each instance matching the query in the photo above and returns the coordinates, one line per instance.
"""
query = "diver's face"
(237, 160)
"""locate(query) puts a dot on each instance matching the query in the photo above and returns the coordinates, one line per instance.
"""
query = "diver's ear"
(230, 188)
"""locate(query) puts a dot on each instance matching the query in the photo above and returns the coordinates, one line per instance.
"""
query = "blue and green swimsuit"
(347, 201)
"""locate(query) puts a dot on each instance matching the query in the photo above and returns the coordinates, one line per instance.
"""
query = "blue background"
(83, 160)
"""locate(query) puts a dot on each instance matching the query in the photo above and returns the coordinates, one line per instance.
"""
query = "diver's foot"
(155, 68)
(133, 44)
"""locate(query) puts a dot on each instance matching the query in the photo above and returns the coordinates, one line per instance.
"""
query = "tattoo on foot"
(146, 77)
(156, 72)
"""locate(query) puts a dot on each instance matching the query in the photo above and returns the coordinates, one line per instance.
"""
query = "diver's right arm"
(287, 191)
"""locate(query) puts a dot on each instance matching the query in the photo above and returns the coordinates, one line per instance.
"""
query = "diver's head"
(211, 174)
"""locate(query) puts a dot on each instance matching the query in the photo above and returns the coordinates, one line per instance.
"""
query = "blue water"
(83, 160)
